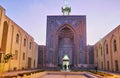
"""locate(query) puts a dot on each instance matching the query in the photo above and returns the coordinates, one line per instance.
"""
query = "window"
(101, 65)
(16, 54)
(23, 68)
(17, 38)
(23, 56)
(101, 50)
(108, 65)
(116, 65)
(97, 53)
(30, 45)
(106, 48)
(34, 63)
(24, 42)
(29, 62)
(115, 45)
(15, 68)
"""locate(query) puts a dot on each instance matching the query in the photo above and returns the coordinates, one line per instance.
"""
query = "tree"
(7, 57)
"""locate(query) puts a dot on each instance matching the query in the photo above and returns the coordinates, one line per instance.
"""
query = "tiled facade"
(41, 56)
(107, 51)
(90, 54)
(66, 35)
(14, 40)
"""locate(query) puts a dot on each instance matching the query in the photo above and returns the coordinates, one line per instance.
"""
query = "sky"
(102, 16)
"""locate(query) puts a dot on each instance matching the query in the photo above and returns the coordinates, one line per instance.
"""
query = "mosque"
(66, 35)
(65, 41)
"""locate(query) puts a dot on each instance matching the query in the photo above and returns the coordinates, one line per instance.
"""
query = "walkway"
(64, 76)
(116, 75)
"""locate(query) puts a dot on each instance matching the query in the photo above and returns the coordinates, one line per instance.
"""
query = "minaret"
(66, 9)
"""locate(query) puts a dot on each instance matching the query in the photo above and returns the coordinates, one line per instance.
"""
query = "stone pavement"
(116, 75)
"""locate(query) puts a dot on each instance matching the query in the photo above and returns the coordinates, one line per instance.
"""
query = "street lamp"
(1, 52)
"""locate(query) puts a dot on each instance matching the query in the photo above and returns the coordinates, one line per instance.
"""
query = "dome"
(65, 57)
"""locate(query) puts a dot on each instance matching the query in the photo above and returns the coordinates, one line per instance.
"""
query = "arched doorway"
(4, 36)
(66, 44)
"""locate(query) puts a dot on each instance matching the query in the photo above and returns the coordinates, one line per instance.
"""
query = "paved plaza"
(65, 75)
(61, 74)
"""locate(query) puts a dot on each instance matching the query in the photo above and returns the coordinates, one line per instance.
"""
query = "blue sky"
(102, 15)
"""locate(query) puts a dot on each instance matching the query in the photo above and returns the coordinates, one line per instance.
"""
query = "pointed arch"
(65, 36)
(100, 48)
(106, 47)
(112, 37)
(4, 36)
(25, 40)
(106, 52)
(66, 26)
(111, 51)
(113, 42)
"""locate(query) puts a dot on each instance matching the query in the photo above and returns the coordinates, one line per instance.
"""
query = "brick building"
(107, 51)
(15, 41)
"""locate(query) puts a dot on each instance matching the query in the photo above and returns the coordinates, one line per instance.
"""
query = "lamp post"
(1, 58)
(1, 55)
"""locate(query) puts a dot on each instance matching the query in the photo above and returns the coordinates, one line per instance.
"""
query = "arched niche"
(4, 36)
(66, 43)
